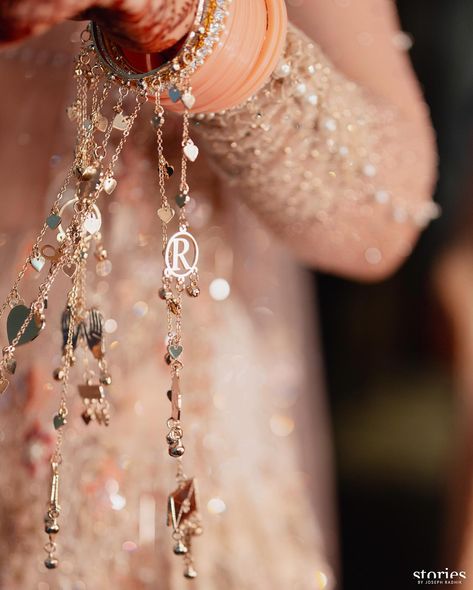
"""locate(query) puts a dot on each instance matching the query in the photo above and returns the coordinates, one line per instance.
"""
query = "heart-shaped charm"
(59, 421)
(70, 269)
(101, 123)
(191, 151)
(188, 99)
(166, 214)
(4, 383)
(53, 221)
(120, 122)
(37, 262)
(92, 224)
(182, 199)
(175, 351)
(109, 185)
(16, 318)
(174, 93)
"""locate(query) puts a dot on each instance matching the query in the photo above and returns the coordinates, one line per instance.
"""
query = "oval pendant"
(181, 255)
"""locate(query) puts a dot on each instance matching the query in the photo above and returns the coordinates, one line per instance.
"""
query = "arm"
(338, 161)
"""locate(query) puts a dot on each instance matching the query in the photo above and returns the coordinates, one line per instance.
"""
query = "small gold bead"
(51, 563)
(190, 573)
(180, 548)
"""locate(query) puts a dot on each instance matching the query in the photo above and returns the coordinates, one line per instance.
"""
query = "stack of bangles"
(229, 54)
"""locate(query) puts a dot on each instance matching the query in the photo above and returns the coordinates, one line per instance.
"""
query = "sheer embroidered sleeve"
(341, 175)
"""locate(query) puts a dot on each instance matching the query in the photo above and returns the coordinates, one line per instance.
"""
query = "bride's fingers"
(144, 25)
(21, 19)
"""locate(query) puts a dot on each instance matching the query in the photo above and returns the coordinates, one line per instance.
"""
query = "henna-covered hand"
(143, 25)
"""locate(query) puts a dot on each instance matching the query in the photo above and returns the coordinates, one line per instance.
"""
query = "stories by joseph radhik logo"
(439, 577)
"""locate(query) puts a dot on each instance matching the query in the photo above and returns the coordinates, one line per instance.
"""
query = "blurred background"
(399, 354)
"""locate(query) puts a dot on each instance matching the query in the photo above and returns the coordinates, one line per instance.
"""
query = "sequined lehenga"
(255, 417)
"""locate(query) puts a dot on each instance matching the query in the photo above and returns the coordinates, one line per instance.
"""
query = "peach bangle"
(226, 69)
(262, 24)
(273, 47)
(274, 36)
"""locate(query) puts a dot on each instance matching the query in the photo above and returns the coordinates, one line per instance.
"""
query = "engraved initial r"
(180, 247)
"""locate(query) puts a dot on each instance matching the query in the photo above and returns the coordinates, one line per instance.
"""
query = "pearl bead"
(300, 89)
(330, 124)
(313, 99)
(282, 71)
(369, 170)
(400, 214)
(382, 196)
(373, 255)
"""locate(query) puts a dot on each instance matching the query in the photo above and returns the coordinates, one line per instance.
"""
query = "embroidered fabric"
(343, 178)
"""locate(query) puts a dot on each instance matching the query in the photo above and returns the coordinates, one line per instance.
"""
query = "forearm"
(344, 178)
